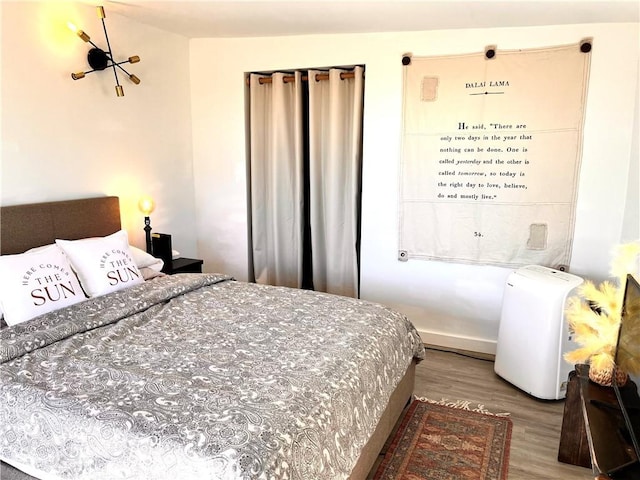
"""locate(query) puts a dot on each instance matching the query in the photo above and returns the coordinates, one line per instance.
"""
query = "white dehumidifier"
(533, 333)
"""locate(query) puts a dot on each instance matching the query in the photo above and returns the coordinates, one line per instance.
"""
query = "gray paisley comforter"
(199, 377)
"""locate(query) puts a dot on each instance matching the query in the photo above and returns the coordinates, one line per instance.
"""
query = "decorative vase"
(606, 377)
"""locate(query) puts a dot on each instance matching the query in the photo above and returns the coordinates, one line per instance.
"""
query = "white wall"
(631, 223)
(455, 305)
(65, 139)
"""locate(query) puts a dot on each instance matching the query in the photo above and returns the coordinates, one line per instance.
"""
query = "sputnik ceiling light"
(100, 59)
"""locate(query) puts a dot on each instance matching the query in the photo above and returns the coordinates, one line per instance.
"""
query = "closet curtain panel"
(335, 146)
(276, 180)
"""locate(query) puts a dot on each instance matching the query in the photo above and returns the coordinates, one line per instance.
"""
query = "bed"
(193, 375)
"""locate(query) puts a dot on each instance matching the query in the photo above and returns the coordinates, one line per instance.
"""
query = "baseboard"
(459, 342)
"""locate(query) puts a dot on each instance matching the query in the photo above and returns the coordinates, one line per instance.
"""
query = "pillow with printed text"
(35, 283)
(103, 264)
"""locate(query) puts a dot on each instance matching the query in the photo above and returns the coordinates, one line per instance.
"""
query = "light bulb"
(78, 32)
(146, 205)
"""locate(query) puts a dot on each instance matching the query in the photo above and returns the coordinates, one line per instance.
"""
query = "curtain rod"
(305, 78)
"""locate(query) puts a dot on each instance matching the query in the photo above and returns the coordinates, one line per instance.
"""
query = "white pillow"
(35, 283)
(146, 263)
(103, 264)
(145, 260)
(149, 266)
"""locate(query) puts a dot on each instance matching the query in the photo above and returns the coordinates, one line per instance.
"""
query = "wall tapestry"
(492, 144)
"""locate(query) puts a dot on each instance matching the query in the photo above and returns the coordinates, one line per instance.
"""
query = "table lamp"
(146, 206)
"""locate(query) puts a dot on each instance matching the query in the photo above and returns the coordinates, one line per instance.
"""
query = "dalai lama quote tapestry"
(492, 144)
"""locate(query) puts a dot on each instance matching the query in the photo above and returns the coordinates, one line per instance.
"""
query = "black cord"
(468, 355)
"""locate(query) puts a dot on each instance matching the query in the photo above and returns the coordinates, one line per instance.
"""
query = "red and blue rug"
(444, 441)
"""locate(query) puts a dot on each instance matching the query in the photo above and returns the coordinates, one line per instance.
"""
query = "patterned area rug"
(447, 441)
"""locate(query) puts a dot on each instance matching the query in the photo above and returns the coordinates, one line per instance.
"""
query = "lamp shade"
(146, 205)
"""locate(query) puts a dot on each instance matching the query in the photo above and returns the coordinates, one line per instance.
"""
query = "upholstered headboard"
(32, 225)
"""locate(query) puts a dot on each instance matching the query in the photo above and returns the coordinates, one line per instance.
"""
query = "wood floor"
(536, 423)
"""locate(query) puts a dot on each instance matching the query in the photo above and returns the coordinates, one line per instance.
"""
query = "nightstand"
(183, 265)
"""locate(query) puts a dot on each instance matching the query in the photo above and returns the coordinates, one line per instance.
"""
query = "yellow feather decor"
(594, 317)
